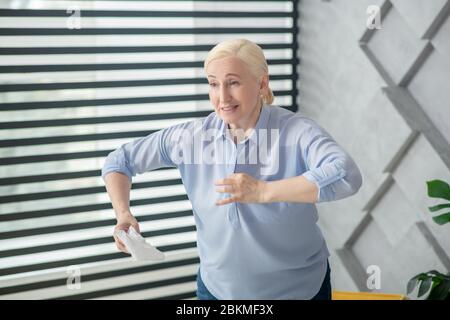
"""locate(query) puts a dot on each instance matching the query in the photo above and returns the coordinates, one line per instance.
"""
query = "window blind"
(77, 80)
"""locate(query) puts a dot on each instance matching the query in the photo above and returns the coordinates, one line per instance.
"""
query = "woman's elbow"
(352, 177)
(355, 179)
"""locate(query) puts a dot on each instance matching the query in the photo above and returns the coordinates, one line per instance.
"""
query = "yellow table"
(345, 295)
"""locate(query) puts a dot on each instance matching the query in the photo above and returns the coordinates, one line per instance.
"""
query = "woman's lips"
(229, 109)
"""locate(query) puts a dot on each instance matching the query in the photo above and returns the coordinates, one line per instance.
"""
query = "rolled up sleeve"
(329, 166)
(141, 155)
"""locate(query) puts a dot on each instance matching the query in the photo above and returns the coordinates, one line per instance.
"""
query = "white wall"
(384, 95)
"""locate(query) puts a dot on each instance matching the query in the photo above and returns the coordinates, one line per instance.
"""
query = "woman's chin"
(229, 117)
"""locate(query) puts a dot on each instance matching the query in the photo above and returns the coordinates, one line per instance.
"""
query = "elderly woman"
(253, 173)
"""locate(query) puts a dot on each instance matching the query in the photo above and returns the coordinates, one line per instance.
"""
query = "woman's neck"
(241, 132)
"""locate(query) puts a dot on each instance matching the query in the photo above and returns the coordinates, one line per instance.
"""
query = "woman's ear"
(264, 83)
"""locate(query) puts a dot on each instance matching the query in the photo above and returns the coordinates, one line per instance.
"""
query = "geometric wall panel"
(420, 163)
(441, 40)
(430, 88)
(395, 215)
(399, 136)
(421, 16)
(396, 47)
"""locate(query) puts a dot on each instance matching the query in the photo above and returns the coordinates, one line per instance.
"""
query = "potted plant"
(436, 284)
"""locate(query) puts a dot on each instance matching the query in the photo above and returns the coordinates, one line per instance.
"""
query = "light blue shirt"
(251, 250)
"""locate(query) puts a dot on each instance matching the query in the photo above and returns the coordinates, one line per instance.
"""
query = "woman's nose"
(224, 95)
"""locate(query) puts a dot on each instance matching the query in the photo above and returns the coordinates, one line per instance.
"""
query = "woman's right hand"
(123, 223)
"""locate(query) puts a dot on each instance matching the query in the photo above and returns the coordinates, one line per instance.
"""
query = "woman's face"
(234, 92)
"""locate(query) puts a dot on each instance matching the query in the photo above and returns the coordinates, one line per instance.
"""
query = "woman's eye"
(231, 83)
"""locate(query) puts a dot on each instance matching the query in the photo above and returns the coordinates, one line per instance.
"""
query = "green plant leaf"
(434, 272)
(414, 281)
(411, 285)
(442, 219)
(425, 286)
(437, 275)
(439, 207)
(440, 291)
(438, 189)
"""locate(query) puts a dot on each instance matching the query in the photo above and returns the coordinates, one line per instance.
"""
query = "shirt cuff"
(116, 162)
(324, 177)
(108, 169)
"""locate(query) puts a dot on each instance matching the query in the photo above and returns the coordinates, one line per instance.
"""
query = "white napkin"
(136, 245)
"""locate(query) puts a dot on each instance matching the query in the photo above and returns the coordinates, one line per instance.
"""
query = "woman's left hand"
(242, 188)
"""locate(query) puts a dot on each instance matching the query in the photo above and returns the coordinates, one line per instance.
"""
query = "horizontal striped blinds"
(77, 80)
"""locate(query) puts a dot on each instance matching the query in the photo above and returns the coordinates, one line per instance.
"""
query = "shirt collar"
(263, 119)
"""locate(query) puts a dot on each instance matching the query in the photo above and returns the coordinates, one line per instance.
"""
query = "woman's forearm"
(118, 186)
(295, 189)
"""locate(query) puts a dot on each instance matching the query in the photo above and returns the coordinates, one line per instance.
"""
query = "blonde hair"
(250, 53)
